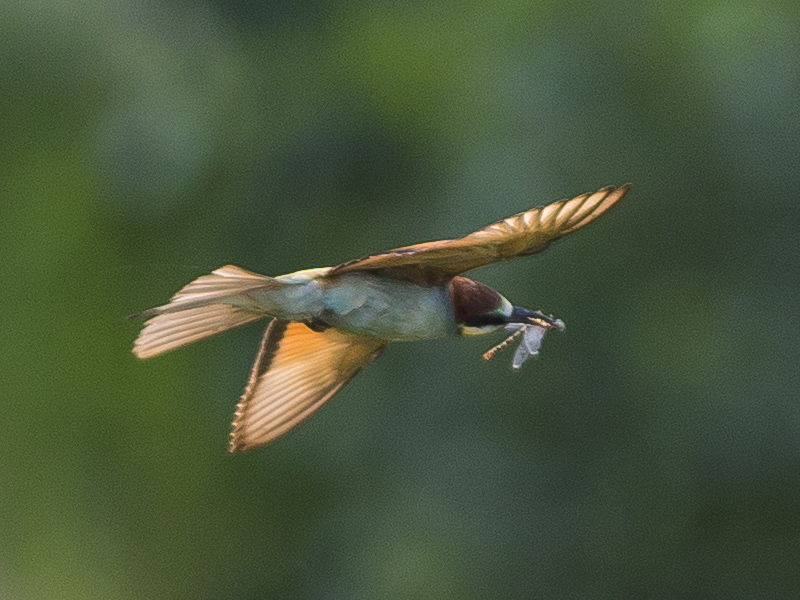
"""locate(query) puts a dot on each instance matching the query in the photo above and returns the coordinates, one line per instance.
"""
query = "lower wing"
(296, 371)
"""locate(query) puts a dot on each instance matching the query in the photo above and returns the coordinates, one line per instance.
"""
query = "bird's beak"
(530, 317)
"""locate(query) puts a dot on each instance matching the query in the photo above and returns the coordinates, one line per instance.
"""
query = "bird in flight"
(327, 323)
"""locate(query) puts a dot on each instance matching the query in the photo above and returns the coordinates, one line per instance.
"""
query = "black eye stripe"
(487, 319)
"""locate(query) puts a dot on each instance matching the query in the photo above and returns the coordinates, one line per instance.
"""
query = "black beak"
(523, 315)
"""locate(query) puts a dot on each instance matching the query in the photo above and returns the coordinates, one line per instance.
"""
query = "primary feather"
(523, 234)
(295, 372)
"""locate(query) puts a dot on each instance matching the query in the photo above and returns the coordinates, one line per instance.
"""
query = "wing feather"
(296, 371)
(523, 234)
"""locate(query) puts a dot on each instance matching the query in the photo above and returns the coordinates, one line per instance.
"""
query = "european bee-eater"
(327, 323)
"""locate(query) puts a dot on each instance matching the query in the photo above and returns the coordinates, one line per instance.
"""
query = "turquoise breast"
(387, 308)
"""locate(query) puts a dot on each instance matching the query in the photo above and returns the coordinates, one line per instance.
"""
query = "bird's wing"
(295, 372)
(521, 235)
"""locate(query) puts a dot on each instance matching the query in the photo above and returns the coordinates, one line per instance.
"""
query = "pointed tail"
(209, 305)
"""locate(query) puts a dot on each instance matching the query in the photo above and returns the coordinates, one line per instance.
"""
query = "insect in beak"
(531, 330)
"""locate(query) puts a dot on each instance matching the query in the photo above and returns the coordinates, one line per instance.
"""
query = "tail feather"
(209, 305)
(174, 329)
(225, 284)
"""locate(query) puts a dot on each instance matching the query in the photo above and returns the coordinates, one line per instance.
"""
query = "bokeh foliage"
(652, 452)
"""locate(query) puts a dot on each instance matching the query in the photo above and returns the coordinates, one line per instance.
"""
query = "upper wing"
(521, 235)
(296, 371)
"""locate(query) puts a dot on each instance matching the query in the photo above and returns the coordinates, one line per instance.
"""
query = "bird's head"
(479, 309)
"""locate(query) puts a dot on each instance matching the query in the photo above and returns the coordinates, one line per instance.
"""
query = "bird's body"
(388, 309)
(327, 323)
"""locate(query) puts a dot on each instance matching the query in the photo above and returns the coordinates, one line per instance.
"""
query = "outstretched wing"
(295, 372)
(521, 235)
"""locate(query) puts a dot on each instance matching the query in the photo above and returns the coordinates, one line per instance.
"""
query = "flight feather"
(296, 371)
(523, 234)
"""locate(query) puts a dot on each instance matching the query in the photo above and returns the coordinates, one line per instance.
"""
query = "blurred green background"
(653, 451)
